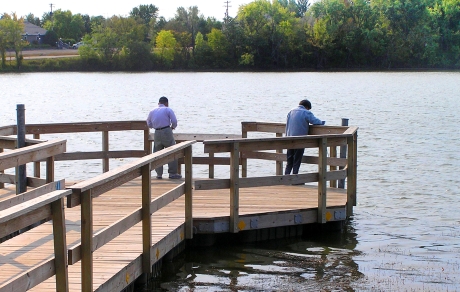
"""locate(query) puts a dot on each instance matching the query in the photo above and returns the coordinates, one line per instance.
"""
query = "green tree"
(13, 28)
(50, 38)
(114, 37)
(408, 32)
(267, 28)
(3, 39)
(30, 18)
(202, 56)
(66, 25)
(445, 18)
(147, 14)
(344, 34)
(165, 44)
(298, 7)
(219, 47)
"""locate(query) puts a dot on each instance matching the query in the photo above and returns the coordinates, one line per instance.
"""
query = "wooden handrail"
(199, 137)
(18, 216)
(7, 142)
(244, 148)
(117, 228)
(32, 153)
(32, 194)
(44, 207)
(116, 177)
(257, 144)
(8, 130)
(59, 128)
(84, 192)
(240, 148)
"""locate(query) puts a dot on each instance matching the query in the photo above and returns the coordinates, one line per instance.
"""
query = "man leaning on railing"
(297, 124)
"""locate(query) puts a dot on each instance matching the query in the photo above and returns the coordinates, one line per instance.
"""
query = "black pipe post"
(21, 175)
(343, 154)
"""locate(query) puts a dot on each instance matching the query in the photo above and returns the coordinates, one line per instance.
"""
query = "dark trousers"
(294, 158)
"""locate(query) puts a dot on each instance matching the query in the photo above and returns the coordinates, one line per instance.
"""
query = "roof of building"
(32, 29)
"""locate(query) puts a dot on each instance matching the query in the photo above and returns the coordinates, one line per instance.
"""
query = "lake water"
(405, 233)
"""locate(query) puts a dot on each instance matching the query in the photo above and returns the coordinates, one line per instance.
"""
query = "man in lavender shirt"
(163, 120)
(298, 121)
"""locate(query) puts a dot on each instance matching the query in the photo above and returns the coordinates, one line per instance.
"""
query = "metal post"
(343, 154)
(21, 175)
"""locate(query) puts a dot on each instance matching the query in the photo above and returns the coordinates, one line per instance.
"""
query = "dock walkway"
(112, 261)
(103, 233)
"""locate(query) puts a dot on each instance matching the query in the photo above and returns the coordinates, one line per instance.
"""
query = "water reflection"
(317, 261)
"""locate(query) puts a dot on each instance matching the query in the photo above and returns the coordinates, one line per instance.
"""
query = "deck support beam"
(2, 185)
(49, 169)
(279, 164)
(211, 165)
(244, 161)
(105, 149)
(351, 174)
(37, 163)
(188, 193)
(146, 220)
(60, 245)
(322, 172)
(333, 153)
(234, 187)
(86, 241)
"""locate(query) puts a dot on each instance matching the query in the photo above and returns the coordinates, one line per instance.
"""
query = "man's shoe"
(175, 176)
(159, 177)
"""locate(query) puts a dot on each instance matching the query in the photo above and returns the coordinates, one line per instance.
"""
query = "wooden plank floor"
(24, 251)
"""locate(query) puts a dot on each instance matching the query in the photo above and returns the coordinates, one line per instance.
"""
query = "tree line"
(268, 35)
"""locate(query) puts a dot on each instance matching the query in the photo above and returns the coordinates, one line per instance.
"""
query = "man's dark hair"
(306, 104)
(163, 100)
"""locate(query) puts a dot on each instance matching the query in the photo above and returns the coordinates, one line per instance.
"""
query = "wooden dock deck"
(25, 251)
(111, 229)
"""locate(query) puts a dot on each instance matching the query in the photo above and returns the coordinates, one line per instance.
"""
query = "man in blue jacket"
(298, 121)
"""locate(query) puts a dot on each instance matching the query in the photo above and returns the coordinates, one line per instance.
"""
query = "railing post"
(333, 153)
(60, 245)
(146, 220)
(50, 169)
(234, 187)
(21, 174)
(86, 241)
(355, 170)
(105, 149)
(351, 174)
(37, 163)
(147, 142)
(211, 165)
(244, 161)
(188, 193)
(279, 164)
(343, 154)
(2, 185)
(322, 172)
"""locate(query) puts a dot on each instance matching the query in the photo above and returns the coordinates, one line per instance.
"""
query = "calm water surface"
(405, 234)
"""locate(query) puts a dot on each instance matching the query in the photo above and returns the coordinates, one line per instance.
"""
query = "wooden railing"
(39, 150)
(88, 127)
(211, 160)
(242, 149)
(84, 192)
(38, 205)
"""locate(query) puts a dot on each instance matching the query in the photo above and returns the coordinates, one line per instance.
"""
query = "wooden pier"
(109, 230)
